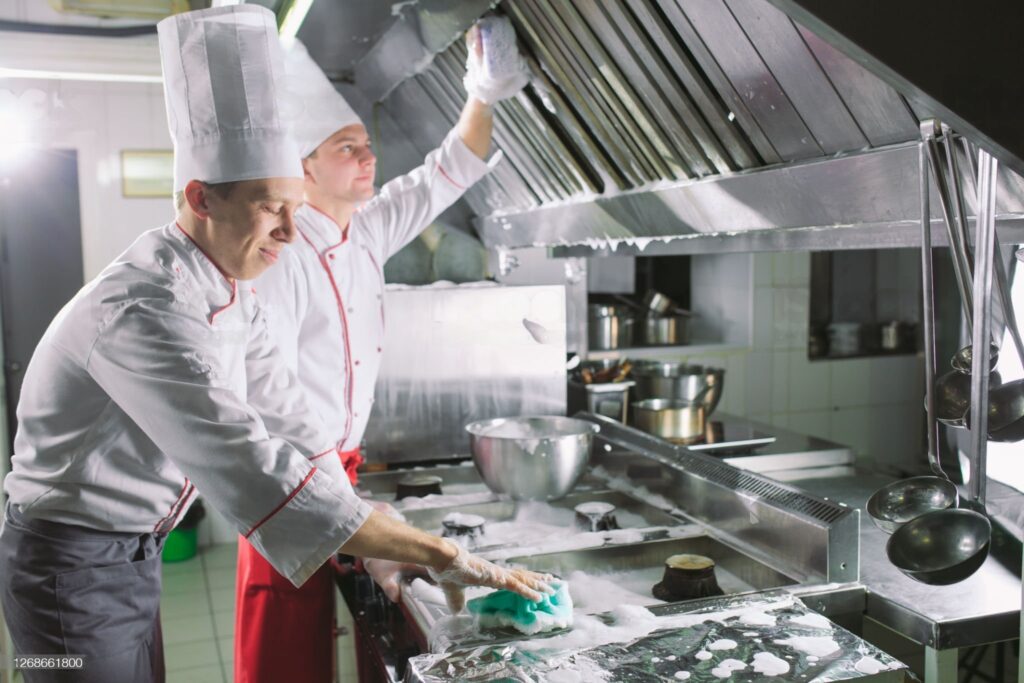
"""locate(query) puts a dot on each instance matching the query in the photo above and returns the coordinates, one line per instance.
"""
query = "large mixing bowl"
(531, 458)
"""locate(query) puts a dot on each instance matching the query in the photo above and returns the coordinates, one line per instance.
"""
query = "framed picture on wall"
(147, 172)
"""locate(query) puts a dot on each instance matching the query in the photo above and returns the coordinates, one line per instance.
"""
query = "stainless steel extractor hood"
(669, 126)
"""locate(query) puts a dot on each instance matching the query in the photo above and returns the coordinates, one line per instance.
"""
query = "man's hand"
(470, 570)
(494, 68)
(388, 575)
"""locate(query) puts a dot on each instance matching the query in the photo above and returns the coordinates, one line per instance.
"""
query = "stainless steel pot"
(678, 421)
(531, 458)
(671, 330)
(609, 327)
(657, 303)
(680, 382)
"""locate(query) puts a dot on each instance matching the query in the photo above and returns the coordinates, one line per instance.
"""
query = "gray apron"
(71, 590)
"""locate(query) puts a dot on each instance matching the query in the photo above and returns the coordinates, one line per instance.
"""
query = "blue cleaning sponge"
(507, 609)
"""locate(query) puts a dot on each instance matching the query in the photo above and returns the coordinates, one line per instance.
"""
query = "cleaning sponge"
(507, 609)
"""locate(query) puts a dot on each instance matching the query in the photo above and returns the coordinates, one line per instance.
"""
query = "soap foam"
(811, 620)
(757, 618)
(681, 675)
(768, 664)
(815, 646)
(723, 644)
(727, 667)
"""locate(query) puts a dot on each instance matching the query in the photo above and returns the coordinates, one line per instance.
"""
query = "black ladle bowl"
(953, 396)
(941, 548)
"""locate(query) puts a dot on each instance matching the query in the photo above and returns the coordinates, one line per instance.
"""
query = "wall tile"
(780, 382)
(851, 382)
(810, 385)
(854, 427)
(800, 270)
(816, 423)
(762, 270)
(759, 382)
(764, 318)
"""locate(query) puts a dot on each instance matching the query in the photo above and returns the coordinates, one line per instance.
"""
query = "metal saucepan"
(679, 381)
(677, 421)
(533, 457)
(668, 330)
(609, 327)
(657, 303)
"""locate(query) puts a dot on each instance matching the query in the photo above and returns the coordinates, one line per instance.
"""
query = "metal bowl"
(942, 547)
(531, 458)
(679, 381)
(892, 506)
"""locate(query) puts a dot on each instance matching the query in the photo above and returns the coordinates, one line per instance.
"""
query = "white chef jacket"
(325, 297)
(158, 380)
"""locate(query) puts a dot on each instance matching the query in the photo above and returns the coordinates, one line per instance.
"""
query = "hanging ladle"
(898, 503)
(947, 546)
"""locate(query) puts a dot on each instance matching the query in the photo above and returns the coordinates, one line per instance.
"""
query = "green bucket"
(181, 545)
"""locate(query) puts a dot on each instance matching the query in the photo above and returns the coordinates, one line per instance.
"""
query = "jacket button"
(357, 362)
(379, 349)
(351, 310)
(330, 256)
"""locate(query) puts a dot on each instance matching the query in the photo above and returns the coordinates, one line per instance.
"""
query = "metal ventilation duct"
(676, 118)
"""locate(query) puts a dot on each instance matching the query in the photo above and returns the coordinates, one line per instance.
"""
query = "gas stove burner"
(417, 486)
(687, 577)
(459, 525)
(596, 516)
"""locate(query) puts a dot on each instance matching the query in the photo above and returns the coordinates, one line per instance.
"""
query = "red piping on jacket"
(344, 231)
(449, 178)
(349, 383)
(191, 490)
(182, 496)
(232, 281)
(283, 503)
(320, 455)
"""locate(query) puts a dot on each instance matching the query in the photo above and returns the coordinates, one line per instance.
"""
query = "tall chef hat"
(317, 111)
(223, 72)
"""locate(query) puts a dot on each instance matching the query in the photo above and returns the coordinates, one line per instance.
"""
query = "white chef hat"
(315, 109)
(223, 69)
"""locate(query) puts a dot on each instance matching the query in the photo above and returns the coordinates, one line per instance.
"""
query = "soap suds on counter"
(811, 620)
(681, 675)
(756, 618)
(671, 658)
(869, 665)
(815, 646)
(749, 634)
(704, 655)
(768, 664)
(726, 668)
(723, 644)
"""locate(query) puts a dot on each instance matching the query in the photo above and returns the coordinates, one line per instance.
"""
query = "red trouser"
(284, 633)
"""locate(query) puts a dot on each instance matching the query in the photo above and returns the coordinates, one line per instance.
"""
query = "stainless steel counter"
(983, 609)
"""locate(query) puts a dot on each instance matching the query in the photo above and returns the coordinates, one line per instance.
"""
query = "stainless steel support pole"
(940, 666)
(928, 313)
(982, 335)
(929, 129)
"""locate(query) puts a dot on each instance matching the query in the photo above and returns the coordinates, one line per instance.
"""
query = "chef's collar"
(320, 229)
(220, 288)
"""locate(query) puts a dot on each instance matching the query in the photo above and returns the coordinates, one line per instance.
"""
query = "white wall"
(99, 120)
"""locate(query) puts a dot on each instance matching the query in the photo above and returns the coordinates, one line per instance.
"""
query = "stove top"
(731, 437)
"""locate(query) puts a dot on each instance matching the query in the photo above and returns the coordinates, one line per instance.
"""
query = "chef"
(325, 302)
(158, 381)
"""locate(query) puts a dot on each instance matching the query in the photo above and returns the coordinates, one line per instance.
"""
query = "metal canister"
(609, 327)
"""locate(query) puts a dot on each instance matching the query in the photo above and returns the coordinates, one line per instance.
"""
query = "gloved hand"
(494, 68)
(385, 508)
(388, 575)
(470, 570)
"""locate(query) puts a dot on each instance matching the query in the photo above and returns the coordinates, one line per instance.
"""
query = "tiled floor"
(198, 612)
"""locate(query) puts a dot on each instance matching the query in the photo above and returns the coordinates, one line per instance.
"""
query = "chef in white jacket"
(159, 381)
(325, 301)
